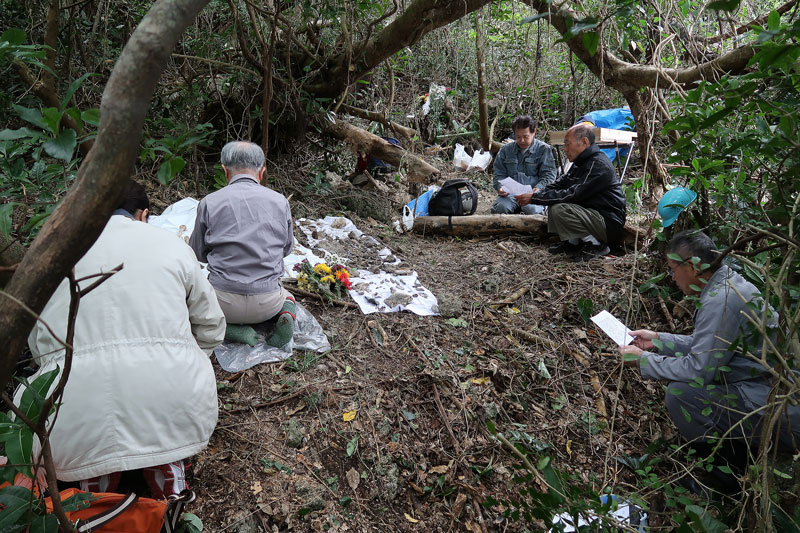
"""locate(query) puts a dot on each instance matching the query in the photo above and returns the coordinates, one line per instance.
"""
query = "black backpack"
(455, 198)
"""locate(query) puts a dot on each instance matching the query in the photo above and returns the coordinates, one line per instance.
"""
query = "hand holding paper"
(513, 187)
(612, 327)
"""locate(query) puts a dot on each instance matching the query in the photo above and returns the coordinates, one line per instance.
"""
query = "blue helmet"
(673, 203)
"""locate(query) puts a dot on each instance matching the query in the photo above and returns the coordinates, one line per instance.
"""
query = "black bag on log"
(457, 197)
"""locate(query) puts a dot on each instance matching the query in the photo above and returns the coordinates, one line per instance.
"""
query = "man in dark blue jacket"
(587, 206)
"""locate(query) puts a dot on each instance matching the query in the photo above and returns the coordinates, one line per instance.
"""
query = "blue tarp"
(613, 119)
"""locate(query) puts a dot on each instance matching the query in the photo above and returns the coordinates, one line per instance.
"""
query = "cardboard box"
(602, 136)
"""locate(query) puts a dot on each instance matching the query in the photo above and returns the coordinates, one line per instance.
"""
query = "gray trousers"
(506, 205)
(572, 221)
(700, 414)
(251, 308)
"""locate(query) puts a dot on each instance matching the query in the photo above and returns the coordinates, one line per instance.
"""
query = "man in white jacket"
(142, 391)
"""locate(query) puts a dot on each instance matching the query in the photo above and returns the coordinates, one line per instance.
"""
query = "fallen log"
(398, 129)
(417, 170)
(481, 225)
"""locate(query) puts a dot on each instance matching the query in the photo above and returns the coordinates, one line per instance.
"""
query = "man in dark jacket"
(587, 207)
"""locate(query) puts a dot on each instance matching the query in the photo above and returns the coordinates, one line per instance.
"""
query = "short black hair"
(694, 243)
(524, 121)
(134, 198)
(583, 131)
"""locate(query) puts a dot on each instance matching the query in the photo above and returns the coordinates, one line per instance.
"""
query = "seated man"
(529, 161)
(141, 392)
(715, 380)
(243, 231)
(587, 206)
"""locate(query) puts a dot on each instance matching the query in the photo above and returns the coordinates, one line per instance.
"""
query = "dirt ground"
(417, 456)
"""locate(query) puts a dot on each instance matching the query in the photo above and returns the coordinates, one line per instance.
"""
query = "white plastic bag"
(460, 158)
(408, 218)
(480, 160)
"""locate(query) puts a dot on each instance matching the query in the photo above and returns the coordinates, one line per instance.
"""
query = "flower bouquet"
(332, 283)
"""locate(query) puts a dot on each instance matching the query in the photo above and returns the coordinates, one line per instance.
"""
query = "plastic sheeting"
(308, 335)
(626, 513)
(234, 357)
(374, 292)
(390, 293)
(613, 119)
(178, 218)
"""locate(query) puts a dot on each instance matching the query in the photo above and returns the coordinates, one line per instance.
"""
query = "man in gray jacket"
(528, 160)
(243, 231)
(718, 386)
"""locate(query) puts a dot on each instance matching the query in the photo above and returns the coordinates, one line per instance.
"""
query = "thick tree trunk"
(419, 18)
(80, 218)
(417, 170)
(479, 225)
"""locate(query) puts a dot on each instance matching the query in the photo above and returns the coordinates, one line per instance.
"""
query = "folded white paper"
(613, 328)
(513, 187)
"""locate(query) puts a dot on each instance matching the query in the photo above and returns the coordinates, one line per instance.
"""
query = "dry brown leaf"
(472, 527)
(353, 478)
(441, 469)
(299, 407)
(458, 506)
(256, 487)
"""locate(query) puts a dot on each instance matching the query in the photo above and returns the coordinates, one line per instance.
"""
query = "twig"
(598, 389)
(513, 297)
(443, 414)
(301, 292)
(666, 312)
(218, 63)
(103, 277)
(532, 337)
(506, 250)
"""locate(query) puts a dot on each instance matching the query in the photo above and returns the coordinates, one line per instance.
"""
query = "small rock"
(491, 410)
(450, 305)
(339, 223)
(294, 433)
(398, 298)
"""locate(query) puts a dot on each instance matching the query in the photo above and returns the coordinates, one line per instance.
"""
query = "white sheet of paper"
(613, 328)
(513, 187)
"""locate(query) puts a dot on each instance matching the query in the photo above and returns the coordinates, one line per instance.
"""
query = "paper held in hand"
(613, 328)
(513, 187)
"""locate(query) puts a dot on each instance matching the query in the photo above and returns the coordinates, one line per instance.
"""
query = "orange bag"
(126, 513)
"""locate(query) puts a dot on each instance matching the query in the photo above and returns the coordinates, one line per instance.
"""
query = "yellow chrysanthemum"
(322, 268)
(303, 282)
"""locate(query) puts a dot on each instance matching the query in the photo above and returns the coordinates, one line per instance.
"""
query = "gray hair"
(694, 243)
(242, 155)
(583, 131)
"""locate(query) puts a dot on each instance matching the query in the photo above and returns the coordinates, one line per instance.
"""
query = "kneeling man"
(243, 231)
